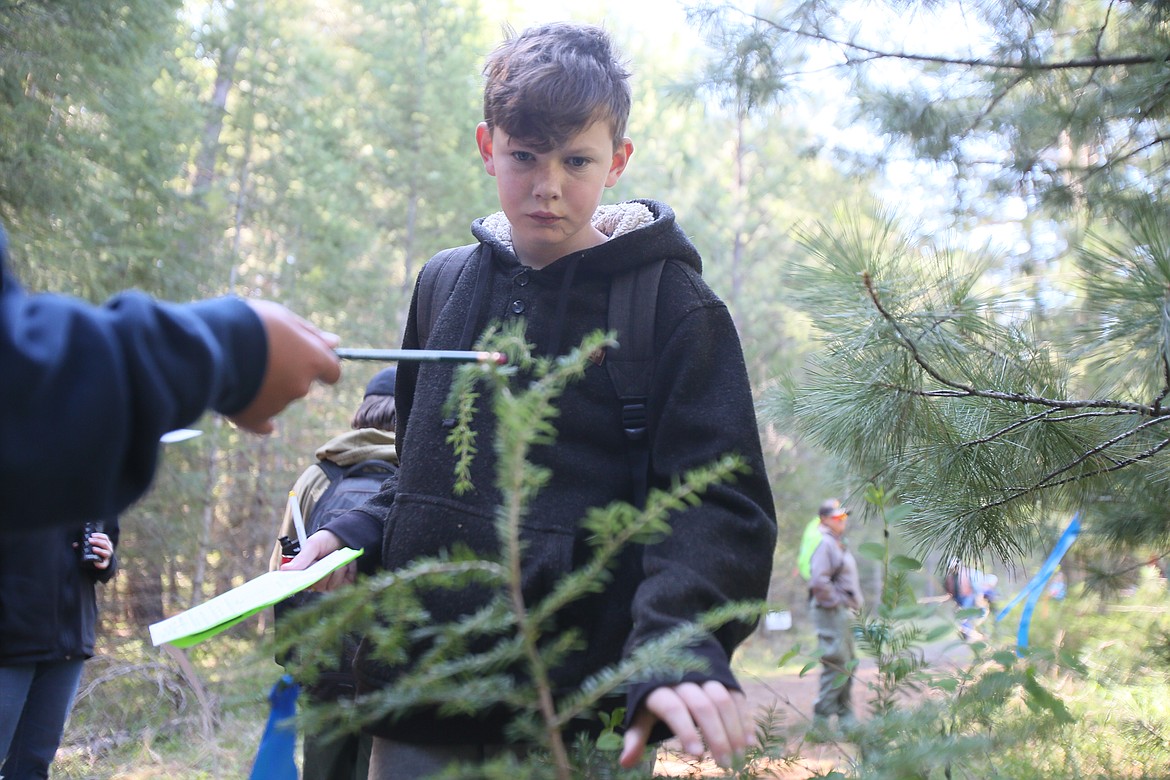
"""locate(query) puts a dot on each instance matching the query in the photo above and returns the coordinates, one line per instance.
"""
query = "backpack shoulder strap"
(332, 470)
(335, 473)
(436, 282)
(633, 299)
(366, 467)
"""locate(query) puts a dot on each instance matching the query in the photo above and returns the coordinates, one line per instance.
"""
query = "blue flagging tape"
(1036, 585)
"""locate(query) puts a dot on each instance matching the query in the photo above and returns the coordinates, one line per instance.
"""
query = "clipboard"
(225, 610)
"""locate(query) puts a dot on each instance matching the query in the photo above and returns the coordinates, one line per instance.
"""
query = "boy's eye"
(578, 162)
(523, 156)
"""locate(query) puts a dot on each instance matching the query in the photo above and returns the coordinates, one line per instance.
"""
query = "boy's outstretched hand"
(721, 715)
(298, 354)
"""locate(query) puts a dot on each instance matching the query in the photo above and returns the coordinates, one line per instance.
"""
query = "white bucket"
(778, 621)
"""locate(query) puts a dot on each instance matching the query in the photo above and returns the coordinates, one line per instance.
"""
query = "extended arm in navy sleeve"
(86, 391)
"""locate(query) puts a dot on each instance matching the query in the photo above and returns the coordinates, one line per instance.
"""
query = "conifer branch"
(1046, 416)
(1154, 412)
(502, 654)
(1046, 483)
(1117, 464)
(617, 526)
(1086, 415)
(525, 420)
(1004, 431)
(1166, 386)
(960, 390)
(868, 54)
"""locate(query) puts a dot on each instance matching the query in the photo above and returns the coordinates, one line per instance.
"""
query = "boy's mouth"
(543, 217)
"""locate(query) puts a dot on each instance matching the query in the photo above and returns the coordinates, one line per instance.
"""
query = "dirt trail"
(791, 697)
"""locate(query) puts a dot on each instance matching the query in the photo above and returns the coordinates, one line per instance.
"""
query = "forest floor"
(790, 696)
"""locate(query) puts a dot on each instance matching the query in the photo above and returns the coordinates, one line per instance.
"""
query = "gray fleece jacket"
(834, 581)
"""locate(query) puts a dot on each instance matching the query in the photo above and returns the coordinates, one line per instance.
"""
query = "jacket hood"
(640, 232)
(359, 445)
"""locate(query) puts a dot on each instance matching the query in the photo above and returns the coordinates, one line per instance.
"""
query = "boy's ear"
(621, 158)
(483, 139)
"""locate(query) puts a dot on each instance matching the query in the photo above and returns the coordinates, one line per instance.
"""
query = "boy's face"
(549, 197)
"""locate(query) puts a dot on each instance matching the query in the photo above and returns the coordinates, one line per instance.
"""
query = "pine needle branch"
(962, 390)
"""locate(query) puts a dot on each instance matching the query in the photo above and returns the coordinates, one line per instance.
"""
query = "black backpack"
(349, 487)
(633, 299)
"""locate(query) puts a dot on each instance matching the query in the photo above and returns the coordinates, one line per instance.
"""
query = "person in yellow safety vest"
(812, 537)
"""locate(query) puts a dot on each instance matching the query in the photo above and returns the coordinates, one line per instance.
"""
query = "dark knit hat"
(383, 382)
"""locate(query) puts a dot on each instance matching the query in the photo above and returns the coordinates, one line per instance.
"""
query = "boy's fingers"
(316, 547)
(302, 560)
(720, 716)
(669, 704)
(636, 736)
(310, 553)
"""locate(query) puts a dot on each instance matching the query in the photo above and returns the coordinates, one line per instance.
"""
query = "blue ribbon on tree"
(274, 759)
(1035, 586)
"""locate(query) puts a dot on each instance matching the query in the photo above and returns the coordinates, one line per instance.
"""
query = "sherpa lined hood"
(640, 232)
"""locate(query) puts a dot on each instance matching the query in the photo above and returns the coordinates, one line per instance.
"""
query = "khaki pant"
(835, 644)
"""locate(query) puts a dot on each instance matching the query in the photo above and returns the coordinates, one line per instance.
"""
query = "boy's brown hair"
(550, 82)
(376, 411)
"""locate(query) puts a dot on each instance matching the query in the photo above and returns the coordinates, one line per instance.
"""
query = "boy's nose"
(547, 185)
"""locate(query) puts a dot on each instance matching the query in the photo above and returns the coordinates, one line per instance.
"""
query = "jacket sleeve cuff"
(105, 575)
(240, 334)
(358, 530)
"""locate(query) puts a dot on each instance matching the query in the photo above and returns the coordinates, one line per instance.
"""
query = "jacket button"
(517, 307)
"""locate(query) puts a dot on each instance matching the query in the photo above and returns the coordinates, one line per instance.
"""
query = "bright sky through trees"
(644, 22)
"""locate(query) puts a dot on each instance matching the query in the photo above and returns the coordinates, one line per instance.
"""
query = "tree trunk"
(205, 543)
(144, 579)
(204, 172)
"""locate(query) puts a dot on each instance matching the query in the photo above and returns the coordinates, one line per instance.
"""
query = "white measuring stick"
(298, 520)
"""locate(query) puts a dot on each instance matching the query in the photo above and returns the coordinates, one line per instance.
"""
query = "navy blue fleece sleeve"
(86, 391)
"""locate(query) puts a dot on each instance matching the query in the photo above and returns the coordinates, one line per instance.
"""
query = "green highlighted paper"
(225, 610)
